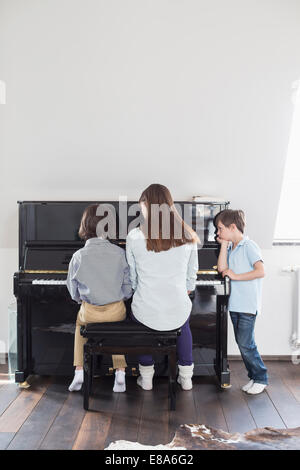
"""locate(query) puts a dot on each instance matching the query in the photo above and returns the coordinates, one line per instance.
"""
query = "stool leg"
(86, 376)
(91, 375)
(172, 378)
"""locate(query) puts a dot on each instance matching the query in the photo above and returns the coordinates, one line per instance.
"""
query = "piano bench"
(127, 337)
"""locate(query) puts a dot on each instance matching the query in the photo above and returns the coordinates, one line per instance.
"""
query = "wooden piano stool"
(127, 337)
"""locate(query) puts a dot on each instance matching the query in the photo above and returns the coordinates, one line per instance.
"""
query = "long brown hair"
(180, 233)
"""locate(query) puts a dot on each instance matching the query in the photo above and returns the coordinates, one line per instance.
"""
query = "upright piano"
(46, 314)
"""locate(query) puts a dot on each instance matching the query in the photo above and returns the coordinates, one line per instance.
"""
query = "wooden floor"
(47, 416)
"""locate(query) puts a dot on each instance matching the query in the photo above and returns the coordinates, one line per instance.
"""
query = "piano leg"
(221, 364)
(87, 371)
(92, 370)
(22, 342)
(172, 378)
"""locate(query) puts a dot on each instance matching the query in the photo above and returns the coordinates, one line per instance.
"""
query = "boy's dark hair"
(229, 216)
(89, 222)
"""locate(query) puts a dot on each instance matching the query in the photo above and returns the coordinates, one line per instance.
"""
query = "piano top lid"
(207, 200)
(210, 200)
(54, 224)
(78, 202)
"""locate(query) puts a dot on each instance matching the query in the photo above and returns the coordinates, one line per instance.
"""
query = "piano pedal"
(110, 371)
(24, 384)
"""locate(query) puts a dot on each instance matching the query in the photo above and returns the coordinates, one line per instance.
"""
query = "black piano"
(46, 314)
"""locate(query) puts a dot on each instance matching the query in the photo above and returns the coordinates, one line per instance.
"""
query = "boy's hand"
(221, 241)
(230, 274)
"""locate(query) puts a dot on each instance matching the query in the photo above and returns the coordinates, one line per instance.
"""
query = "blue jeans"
(243, 325)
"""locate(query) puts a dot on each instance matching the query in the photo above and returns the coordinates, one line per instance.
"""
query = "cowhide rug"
(201, 437)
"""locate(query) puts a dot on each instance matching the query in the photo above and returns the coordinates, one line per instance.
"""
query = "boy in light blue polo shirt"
(240, 259)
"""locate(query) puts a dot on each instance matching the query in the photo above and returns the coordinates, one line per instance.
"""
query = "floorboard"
(126, 419)
(286, 404)
(185, 413)
(154, 424)
(96, 424)
(290, 375)
(48, 416)
(235, 408)
(19, 409)
(5, 439)
(35, 428)
(8, 393)
(261, 406)
(208, 404)
(66, 425)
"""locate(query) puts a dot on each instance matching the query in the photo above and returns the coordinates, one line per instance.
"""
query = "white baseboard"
(237, 357)
(3, 358)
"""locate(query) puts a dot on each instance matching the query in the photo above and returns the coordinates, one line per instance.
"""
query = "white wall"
(274, 325)
(106, 97)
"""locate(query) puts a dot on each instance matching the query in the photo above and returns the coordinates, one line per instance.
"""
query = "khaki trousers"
(88, 313)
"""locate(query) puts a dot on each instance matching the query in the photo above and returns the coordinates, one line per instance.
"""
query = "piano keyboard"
(208, 283)
(49, 282)
(53, 282)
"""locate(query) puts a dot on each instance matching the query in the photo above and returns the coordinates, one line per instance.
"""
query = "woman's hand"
(230, 274)
(189, 291)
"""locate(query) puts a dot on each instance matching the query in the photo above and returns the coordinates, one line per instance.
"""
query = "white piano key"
(49, 282)
(208, 283)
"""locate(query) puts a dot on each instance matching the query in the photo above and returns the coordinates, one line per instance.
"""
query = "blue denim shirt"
(245, 296)
(99, 273)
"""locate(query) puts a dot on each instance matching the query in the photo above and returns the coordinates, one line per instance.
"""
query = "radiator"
(295, 336)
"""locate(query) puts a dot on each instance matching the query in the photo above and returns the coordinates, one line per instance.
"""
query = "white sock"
(120, 384)
(77, 381)
(120, 376)
(185, 376)
(256, 388)
(145, 382)
(247, 387)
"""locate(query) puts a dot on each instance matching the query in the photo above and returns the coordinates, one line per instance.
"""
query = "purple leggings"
(184, 347)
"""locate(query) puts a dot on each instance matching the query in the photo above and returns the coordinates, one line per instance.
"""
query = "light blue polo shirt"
(245, 296)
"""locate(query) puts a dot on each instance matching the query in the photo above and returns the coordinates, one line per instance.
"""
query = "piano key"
(208, 283)
(49, 282)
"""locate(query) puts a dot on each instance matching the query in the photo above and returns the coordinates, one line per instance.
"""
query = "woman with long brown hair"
(163, 260)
